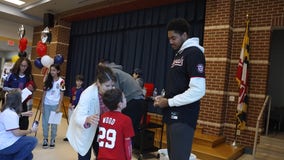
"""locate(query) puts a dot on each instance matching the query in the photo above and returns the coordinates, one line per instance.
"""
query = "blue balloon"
(58, 59)
(38, 63)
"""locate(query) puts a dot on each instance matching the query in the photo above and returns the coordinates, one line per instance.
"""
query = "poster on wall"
(5, 72)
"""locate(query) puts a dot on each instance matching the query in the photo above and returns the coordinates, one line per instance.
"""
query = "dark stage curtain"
(133, 39)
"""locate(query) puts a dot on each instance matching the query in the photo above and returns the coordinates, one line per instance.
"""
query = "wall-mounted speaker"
(48, 20)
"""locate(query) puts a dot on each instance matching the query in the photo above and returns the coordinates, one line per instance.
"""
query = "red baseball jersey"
(114, 127)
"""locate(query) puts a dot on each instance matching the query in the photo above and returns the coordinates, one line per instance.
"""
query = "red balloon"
(23, 44)
(22, 48)
(41, 48)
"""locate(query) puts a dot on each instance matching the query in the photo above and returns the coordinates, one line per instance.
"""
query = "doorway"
(276, 83)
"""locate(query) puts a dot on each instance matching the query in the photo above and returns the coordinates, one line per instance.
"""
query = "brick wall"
(218, 44)
(224, 31)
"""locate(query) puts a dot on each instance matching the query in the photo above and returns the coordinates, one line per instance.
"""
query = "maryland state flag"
(242, 77)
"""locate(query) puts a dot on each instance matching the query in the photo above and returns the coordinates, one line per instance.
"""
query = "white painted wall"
(10, 30)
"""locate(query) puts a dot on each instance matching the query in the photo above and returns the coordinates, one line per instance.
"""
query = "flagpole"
(236, 127)
(235, 136)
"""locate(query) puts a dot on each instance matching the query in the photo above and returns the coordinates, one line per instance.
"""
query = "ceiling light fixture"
(17, 2)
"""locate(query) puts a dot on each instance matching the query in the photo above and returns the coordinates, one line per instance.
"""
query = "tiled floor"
(63, 151)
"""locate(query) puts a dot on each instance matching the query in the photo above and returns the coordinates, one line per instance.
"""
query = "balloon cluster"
(45, 60)
(23, 42)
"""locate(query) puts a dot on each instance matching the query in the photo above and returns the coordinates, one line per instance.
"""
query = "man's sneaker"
(45, 143)
(52, 143)
(65, 139)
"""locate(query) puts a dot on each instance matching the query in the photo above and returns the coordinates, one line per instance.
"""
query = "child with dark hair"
(14, 144)
(115, 128)
(54, 87)
(75, 96)
(137, 75)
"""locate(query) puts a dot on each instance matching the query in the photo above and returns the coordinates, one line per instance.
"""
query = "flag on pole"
(242, 77)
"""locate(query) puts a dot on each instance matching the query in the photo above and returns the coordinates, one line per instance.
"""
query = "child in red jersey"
(115, 128)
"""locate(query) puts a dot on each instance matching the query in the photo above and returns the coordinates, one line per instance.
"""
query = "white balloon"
(46, 61)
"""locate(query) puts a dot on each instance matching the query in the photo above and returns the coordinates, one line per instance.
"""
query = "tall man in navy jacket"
(185, 87)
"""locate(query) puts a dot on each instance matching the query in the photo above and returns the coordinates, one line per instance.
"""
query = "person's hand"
(161, 102)
(93, 119)
(19, 90)
(27, 113)
(30, 87)
(57, 110)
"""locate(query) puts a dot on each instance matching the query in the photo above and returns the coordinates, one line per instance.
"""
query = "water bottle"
(35, 124)
(163, 92)
(155, 92)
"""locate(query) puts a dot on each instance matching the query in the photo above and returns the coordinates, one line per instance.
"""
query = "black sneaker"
(65, 139)
(45, 144)
(52, 143)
